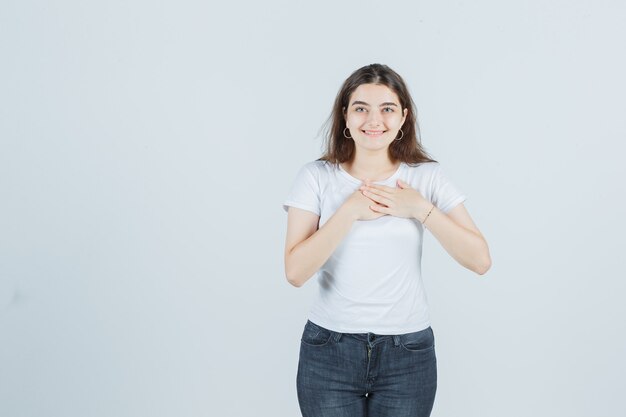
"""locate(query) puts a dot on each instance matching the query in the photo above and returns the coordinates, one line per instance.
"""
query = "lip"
(373, 132)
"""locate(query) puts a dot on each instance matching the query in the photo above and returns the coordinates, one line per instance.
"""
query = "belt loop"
(396, 340)
(337, 336)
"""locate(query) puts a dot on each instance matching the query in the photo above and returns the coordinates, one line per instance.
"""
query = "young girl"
(356, 219)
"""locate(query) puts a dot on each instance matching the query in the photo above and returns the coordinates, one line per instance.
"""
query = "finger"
(380, 209)
(403, 184)
(377, 191)
(377, 198)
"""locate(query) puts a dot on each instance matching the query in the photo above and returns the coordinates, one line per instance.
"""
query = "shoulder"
(316, 173)
(321, 164)
(423, 168)
(429, 166)
(318, 168)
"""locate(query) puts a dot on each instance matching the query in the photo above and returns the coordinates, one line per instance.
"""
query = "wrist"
(346, 214)
(424, 212)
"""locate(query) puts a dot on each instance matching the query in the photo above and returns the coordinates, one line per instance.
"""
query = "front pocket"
(420, 341)
(314, 335)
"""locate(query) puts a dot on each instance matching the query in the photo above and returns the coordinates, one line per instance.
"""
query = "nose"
(373, 119)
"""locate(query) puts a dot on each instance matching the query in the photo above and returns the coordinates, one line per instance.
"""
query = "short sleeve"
(445, 195)
(304, 193)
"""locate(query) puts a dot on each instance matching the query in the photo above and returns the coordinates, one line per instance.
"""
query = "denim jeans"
(365, 374)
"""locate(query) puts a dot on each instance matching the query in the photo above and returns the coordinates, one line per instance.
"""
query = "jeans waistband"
(369, 338)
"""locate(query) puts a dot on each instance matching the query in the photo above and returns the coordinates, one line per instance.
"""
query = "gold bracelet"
(431, 209)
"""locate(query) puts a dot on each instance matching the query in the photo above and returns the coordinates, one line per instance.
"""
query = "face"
(374, 116)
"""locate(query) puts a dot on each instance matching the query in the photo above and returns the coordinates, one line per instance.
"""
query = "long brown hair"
(408, 149)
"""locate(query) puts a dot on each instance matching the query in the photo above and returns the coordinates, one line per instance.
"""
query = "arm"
(458, 235)
(308, 248)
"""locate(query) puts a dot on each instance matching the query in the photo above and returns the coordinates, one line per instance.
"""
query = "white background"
(146, 148)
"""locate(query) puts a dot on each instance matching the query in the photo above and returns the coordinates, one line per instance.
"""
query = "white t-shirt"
(372, 282)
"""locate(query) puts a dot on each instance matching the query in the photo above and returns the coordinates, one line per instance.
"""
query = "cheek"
(356, 119)
(393, 119)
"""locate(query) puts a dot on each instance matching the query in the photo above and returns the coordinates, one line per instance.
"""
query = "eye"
(391, 110)
(359, 108)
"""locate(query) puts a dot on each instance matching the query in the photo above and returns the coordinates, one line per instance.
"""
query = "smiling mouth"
(373, 132)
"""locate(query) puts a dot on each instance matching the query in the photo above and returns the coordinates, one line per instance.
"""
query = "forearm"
(464, 245)
(307, 257)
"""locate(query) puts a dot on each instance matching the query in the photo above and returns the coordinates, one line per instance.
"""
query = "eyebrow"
(383, 104)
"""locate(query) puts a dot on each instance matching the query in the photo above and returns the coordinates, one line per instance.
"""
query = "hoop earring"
(344, 133)
(401, 135)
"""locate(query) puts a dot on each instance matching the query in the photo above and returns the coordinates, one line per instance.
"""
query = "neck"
(374, 169)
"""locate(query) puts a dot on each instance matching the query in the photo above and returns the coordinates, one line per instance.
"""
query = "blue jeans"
(365, 374)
